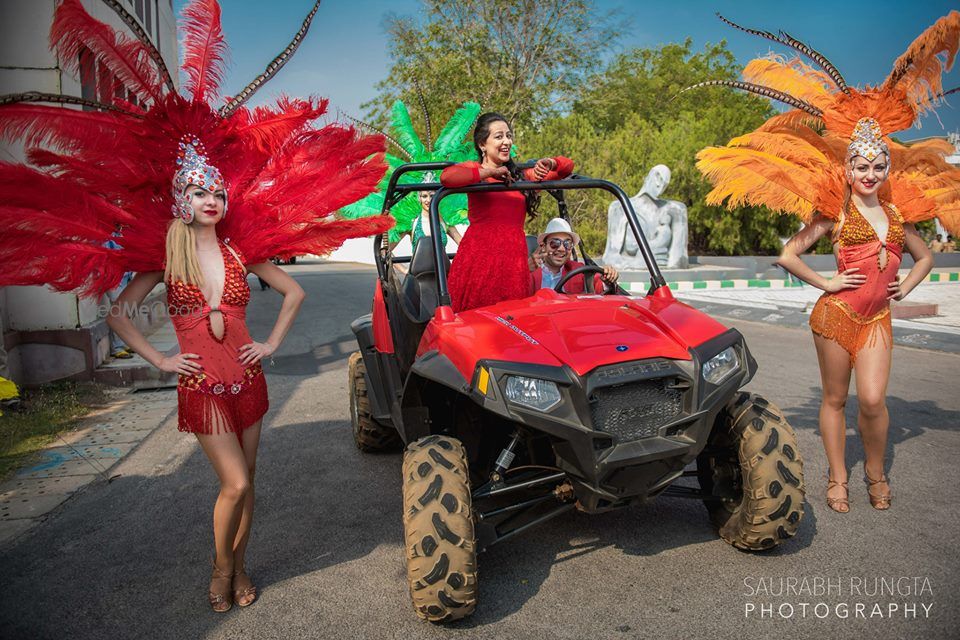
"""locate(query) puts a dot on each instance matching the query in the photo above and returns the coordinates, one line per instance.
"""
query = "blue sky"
(346, 51)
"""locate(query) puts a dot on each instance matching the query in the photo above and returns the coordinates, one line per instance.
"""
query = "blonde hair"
(182, 261)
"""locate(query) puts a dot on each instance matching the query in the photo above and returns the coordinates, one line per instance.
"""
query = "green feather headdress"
(448, 147)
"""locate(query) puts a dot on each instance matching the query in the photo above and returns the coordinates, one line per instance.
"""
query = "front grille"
(635, 410)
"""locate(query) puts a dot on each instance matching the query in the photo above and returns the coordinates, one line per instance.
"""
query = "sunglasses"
(556, 243)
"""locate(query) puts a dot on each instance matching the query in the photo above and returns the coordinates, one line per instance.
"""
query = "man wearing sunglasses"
(554, 258)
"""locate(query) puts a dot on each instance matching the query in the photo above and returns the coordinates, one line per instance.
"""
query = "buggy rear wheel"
(438, 529)
(753, 464)
(368, 434)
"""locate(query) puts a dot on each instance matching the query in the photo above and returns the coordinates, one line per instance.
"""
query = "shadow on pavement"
(132, 558)
(908, 419)
(324, 357)
(513, 573)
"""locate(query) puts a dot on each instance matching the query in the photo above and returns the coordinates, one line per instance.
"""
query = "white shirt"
(550, 279)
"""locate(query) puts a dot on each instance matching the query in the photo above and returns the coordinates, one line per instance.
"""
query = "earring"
(182, 209)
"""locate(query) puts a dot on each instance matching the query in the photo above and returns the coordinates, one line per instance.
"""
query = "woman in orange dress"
(830, 161)
(851, 321)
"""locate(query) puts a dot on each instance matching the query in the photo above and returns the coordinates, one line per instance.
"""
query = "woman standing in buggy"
(492, 262)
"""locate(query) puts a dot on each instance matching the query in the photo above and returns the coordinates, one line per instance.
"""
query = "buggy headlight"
(721, 366)
(534, 393)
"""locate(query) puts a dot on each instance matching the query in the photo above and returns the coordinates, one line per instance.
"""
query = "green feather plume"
(450, 140)
(450, 147)
(403, 131)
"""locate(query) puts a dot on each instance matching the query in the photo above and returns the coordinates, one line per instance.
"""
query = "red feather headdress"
(795, 161)
(109, 168)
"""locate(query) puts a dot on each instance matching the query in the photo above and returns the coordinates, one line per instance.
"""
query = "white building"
(47, 335)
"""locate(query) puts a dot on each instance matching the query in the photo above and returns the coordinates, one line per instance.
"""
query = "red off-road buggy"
(516, 413)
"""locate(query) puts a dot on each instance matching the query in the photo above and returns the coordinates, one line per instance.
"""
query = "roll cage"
(396, 191)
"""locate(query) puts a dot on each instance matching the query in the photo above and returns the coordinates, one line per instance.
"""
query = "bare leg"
(249, 441)
(835, 379)
(225, 454)
(873, 374)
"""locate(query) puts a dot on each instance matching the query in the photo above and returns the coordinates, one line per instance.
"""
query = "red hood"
(583, 332)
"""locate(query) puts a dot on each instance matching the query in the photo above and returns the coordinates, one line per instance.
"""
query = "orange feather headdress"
(794, 162)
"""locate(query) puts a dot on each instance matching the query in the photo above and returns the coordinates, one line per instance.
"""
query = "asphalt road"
(130, 559)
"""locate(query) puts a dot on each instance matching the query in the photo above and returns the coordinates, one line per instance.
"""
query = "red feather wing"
(74, 30)
(204, 48)
(290, 206)
(54, 231)
(267, 128)
(62, 127)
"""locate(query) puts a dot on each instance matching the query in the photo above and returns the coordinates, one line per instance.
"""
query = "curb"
(943, 277)
(700, 285)
(757, 283)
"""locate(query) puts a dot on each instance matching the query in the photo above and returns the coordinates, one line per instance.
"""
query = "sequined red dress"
(857, 318)
(491, 263)
(226, 396)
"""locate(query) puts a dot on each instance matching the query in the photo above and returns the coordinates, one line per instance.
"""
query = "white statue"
(663, 222)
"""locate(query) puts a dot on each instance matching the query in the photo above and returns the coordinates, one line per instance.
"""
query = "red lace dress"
(225, 396)
(491, 263)
(858, 318)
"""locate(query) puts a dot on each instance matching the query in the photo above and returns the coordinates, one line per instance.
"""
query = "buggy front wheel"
(438, 529)
(752, 467)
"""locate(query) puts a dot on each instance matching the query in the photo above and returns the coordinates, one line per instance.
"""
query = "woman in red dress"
(221, 391)
(491, 263)
(105, 173)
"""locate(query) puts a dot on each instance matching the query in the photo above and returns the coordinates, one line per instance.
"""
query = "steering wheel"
(587, 282)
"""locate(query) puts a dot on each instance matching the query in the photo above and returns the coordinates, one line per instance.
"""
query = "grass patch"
(44, 412)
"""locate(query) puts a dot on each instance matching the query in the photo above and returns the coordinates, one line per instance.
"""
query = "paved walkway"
(80, 457)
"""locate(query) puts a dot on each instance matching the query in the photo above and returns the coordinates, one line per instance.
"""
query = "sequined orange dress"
(226, 395)
(858, 318)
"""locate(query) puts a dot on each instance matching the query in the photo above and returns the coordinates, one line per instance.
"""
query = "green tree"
(523, 58)
(632, 116)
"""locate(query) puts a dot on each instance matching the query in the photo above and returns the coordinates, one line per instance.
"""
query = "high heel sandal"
(879, 502)
(840, 505)
(246, 596)
(220, 602)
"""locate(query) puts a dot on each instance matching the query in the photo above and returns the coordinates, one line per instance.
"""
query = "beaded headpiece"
(866, 140)
(193, 169)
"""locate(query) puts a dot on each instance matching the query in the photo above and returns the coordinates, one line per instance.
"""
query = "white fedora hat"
(558, 225)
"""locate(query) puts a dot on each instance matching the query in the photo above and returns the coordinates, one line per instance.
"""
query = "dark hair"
(480, 134)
